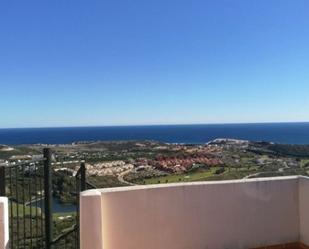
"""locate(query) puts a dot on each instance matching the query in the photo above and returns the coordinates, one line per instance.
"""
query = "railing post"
(83, 186)
(48, 198)
(2, 181)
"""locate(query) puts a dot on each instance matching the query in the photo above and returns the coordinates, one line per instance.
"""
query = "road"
(121, 177)
(281, 170)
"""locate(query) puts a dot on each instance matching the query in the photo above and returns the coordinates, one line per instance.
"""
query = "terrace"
(238, 214)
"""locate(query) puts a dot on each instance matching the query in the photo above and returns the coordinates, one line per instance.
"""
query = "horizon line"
(163, 124)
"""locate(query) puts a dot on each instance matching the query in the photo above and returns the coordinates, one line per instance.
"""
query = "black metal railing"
(69, 237)
(29, 188)
(22, 183)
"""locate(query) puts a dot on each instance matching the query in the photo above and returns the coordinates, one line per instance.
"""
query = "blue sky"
(121, 62)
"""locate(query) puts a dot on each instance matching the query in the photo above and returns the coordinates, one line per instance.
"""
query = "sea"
(285, 133)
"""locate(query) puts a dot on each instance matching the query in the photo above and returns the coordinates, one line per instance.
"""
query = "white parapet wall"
(238, 214)
(4, 223)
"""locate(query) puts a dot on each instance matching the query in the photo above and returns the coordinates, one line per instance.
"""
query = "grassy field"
(19, 209)
(33, 211)
(200, 174)
(188, 177)
(105, 181)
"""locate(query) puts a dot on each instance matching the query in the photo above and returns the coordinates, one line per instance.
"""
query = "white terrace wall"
(4, 223)
(238, 214)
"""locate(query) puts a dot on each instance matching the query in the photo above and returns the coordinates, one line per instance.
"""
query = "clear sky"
(122, 62)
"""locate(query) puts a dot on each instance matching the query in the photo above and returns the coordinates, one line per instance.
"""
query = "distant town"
(112, 164)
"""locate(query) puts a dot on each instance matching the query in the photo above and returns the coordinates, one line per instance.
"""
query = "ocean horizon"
(286, 133)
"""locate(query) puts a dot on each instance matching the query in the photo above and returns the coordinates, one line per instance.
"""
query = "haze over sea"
(288, 133)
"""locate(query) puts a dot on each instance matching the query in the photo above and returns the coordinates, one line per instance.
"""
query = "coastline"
(284, 133)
